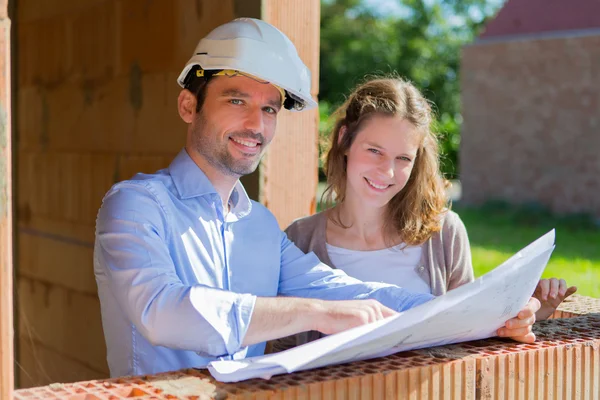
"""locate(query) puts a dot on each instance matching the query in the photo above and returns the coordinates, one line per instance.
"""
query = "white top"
(390, 265)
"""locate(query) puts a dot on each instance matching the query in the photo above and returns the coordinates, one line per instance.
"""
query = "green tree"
(420, 42)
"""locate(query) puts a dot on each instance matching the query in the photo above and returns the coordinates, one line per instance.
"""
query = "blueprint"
(470, 312)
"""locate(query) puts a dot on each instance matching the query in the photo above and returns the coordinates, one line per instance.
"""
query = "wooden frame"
(6, 227)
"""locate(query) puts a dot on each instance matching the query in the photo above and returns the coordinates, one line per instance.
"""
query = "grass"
(498, 231)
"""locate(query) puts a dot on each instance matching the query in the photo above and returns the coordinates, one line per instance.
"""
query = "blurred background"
(516, 90)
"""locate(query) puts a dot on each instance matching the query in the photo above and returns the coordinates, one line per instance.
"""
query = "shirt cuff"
(245, 307)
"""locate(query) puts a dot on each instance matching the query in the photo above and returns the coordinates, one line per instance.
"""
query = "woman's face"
(380, 160)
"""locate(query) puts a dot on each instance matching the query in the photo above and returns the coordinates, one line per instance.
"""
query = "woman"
(391, 220)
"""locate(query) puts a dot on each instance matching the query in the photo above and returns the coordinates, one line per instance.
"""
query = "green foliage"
(421, 43)
(498, 230)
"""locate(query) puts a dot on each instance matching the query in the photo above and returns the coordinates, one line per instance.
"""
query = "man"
(188, 267)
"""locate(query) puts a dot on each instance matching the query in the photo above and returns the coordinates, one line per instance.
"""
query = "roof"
(525, 17)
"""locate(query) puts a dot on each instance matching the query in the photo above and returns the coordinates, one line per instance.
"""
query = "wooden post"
(6, 231)
(289, 171)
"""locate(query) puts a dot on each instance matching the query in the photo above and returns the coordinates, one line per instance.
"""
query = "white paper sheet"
(470, 312)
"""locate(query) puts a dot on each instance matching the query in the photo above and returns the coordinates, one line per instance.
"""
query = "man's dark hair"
(198, 86)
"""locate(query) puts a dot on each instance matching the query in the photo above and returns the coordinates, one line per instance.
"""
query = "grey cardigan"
(445, 261)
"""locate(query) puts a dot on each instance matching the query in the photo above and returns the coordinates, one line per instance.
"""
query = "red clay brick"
(293, 156)
(194, 20)
(46, 65)
(147, 35)
(131, 165)
(54, 260)
(158, 128)
(30, 104)
(63, 188)
(39, 365)
(576, 306)
(62, 320)
(30, 10)
(93, 32)
(564, 363)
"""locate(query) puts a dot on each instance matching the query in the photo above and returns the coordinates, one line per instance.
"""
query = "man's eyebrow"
(275, 103)
(234, 93)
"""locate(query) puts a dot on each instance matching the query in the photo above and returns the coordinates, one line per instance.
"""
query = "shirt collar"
(191, 181)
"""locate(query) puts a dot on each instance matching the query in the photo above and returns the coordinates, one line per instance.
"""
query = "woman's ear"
(186, 105)
(342, 133)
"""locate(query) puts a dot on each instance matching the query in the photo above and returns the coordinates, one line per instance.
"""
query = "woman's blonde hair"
(413, 213)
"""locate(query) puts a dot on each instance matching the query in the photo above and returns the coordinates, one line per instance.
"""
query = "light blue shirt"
(178, 279)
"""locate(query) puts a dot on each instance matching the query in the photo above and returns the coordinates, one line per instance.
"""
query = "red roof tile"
(522, 17)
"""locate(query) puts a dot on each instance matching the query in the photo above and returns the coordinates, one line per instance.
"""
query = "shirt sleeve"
(132, 258)
(303, 275)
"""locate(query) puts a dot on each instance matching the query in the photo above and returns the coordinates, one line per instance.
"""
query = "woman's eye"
(374, 151)
(236, 101)
(270, 110)
(405, 159)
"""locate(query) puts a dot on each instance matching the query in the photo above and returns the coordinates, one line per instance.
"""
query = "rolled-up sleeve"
(303, 275)
(133, 260)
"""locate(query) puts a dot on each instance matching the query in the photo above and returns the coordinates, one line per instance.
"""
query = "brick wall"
(96, 99)
(531, 133)
(564, 363)
(96, 103)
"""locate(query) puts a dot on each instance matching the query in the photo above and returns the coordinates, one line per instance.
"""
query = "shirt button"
(421, 268)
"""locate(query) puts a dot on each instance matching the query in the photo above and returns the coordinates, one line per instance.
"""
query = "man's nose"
(254, 121)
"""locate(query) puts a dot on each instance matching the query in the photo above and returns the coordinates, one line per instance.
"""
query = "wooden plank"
(6, 231)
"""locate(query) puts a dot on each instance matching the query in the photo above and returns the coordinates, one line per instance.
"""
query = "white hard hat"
(257, 48)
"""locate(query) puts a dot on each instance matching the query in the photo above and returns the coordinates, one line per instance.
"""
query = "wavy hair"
(414, 212)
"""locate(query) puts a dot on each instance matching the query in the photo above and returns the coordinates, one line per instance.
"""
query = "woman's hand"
(551, 292)
(519, 327)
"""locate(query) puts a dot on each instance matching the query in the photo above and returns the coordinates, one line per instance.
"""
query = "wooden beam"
(6, 227)
(289, 170)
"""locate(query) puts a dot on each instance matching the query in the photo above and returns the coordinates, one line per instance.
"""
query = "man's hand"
(276, 317)
(337, 316)
(519, 328)
(551, 292)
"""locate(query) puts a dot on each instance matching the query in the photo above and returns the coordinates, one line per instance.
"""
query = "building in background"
(531, 107)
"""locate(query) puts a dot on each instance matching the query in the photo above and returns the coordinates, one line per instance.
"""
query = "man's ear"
(186, 105)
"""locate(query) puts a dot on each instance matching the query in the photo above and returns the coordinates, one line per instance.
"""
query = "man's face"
(236, 123)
